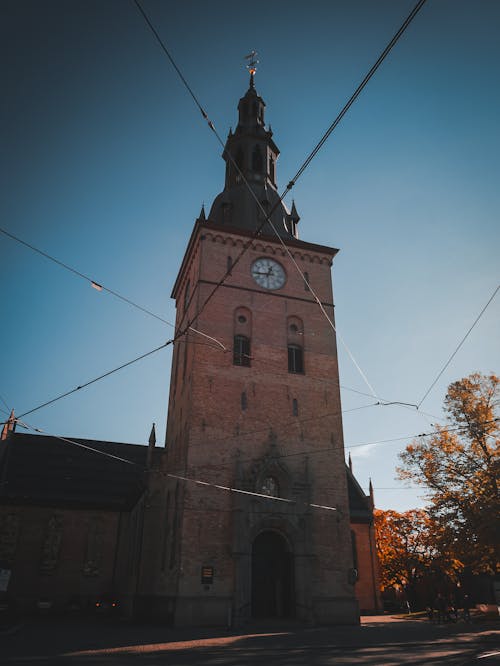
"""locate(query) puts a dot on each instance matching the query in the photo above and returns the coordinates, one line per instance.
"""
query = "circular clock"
(268, 273)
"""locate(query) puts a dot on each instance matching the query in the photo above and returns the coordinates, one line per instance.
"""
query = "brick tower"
(254, 407)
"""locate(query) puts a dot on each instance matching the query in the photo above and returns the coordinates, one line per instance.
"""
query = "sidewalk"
(108, 640)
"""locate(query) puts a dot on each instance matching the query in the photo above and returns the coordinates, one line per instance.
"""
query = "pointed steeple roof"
(152, 436)
(151, 447)
(250, 155)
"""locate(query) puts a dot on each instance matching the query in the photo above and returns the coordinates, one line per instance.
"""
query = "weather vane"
(252, 62)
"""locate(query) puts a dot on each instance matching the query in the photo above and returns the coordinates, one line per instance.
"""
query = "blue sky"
(106, 162)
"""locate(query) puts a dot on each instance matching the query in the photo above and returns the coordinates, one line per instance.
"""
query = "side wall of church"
(367, 588)
(59, 556)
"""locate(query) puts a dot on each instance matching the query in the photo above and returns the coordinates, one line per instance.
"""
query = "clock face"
(268, 273)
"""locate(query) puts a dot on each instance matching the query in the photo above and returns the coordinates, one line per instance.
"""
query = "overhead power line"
(458, 346)
(330, 449)
(199, 482)
(355, 95)
(101, 287)
(96, 379)
(267, 215)
(72, 441)
(2, 399)
(238, 490)
(230, 489)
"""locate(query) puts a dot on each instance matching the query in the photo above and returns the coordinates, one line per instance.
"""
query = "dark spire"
(293, 213)
(202, 217)
(251, 155)
(350, 462)
(151, 446)
(372, 497)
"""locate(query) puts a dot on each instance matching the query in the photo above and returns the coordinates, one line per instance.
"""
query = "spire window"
(257, 162)
(271, 169)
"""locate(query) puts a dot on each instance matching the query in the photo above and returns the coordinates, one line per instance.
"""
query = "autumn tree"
(406, 549)
(459, 465)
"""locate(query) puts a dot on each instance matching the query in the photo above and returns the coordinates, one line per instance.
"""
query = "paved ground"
(379, 641)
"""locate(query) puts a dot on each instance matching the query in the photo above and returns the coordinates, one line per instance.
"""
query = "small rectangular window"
(295, 359)
(241, 351)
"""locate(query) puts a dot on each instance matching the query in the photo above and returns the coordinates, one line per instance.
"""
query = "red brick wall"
(367, 588)
(208, 430)
(68, 578)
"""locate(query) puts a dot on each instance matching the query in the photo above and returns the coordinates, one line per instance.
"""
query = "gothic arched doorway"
(272, 576)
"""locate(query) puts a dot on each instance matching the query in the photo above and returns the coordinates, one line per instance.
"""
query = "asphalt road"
(379, 641)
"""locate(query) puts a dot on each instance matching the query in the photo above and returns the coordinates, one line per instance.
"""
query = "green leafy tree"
(460, 466)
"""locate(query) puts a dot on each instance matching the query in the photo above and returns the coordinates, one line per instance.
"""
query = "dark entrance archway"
(272, 576)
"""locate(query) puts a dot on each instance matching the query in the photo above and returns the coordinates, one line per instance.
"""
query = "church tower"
(255, 503)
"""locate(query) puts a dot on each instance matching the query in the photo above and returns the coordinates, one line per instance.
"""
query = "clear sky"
(105, 162)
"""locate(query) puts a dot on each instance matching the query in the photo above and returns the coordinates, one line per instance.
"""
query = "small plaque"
(207, 575)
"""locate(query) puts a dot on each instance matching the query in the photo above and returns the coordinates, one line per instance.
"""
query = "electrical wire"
(78, 444)
(458, 347)
(355, 95)
(96, 379)
(266, 215)
(230, 488)
(308, 160)
(101, 287)
(280, 427)
(199, 482)
(330, 449)
(1, 398)
(314, 152)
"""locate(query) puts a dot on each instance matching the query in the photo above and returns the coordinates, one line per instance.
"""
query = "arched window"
(306, 281)
(295, 359)
(257, 159)
(244, 402)
(241, 350)
(295, 407)
(229, 264)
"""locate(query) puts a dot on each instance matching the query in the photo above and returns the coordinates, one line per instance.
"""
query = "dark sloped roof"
(359, 504)
(43, 470)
